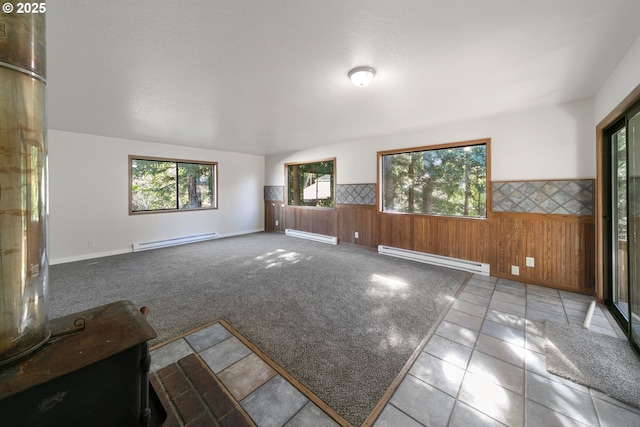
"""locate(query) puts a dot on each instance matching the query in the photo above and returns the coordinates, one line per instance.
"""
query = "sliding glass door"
(619, 225)
(623, 229)
(633, 144)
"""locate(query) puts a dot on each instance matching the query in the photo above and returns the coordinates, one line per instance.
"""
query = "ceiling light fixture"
(362, 76)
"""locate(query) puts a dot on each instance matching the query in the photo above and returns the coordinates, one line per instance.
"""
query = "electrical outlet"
(91, 243)
(356, 234)
(276, 222)
(515, 270)
(530, 262)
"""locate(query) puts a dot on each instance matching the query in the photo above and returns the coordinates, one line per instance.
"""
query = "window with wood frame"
(169, 185)
(311, 184)
(448, 180)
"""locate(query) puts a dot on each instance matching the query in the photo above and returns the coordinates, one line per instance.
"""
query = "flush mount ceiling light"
(362, 76)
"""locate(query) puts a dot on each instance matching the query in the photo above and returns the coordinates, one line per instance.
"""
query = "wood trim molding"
(543, 180)
(583, 219)
(297, 384)
(438, 147)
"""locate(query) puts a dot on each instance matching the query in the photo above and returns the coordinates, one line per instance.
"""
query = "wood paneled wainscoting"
(563, 248)
(343, 221)
(462, 238)
(362, 219)
(274, 218)
(312, 220)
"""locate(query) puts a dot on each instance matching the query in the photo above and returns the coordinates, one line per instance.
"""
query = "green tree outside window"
(443, 181)
(169, 185)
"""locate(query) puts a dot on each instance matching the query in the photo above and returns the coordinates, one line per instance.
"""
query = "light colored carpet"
(601, 362)
(341, 319)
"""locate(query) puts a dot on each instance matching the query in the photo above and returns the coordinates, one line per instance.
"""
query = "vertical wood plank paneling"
(563, 246)
(346, 219)
(548, 249)
(268, 216)
(422, 231)
(396, 231)
(360, 218)
(453, 237)
(367, 225)
(320, 221)
(273, 211)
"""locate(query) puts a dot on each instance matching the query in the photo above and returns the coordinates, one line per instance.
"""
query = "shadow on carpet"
(600, 362)
(342, 320)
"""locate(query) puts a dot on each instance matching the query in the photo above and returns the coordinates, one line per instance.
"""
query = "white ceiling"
(263, 77)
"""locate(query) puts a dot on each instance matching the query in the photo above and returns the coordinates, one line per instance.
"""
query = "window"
(311, 184)
(445, 180)
(161, 185)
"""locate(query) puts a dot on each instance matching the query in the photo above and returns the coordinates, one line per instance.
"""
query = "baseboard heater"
(458, 264)
(311, 236)
(173, 242)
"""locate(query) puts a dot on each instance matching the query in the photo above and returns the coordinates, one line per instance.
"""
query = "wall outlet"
(276, 222)
(515, 270)
(530, 262)
(91, 243)
(356, 234)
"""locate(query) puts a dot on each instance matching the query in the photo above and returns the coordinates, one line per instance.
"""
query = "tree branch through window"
(448, 180)
(158, 185)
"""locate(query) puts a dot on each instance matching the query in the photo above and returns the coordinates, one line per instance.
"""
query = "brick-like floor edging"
(193, 396)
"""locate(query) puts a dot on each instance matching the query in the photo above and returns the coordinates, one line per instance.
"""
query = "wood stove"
(93, 371)
(86, 369)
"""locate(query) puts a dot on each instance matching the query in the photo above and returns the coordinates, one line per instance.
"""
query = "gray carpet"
(603, 363)
(341, 319)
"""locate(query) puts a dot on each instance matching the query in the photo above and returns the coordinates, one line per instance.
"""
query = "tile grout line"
(225, 390)
(285, 375)
(198, 394)
(404, 371)
(466, 371)
(457, 402)
(591, 397)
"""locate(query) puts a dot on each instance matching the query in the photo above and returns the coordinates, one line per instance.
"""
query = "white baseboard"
(240, 233)
(92, 255)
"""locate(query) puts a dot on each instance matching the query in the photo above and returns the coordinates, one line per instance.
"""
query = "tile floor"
(193, 396)
(483, 366)
(265, 396)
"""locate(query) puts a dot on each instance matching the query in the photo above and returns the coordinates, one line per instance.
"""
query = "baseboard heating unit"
(173, 242)
(443, 261)
(311, 236)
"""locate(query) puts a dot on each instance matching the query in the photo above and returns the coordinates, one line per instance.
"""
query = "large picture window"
(311, 184)
(444, 180)
(162, 185)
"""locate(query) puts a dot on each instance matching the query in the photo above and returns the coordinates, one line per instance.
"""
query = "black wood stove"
(93, 371)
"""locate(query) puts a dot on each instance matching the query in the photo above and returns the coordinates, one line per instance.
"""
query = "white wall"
(624, 79)
(88, 196)
(544, 143)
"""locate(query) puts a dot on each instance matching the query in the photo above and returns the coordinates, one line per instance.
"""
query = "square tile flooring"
(483, 366)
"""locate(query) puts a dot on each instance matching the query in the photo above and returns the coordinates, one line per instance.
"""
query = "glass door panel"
(619, 224)
(633, 144)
